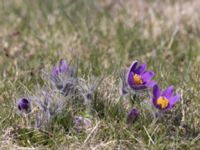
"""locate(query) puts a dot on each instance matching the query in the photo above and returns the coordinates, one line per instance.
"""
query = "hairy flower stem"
(88, 109)
(134, 99)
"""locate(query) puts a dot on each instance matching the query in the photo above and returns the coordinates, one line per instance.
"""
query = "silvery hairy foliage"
(47, 104)
(123, 85)
(64, 78)
(64, 87)
(87, 88)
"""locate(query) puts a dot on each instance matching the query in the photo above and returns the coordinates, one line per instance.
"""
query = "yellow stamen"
(137, 79)
(163, 102)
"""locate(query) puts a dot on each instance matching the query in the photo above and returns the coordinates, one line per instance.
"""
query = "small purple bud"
(24, 105)
(55, 71)
(89, 95)
(132, 116)
(63, 67)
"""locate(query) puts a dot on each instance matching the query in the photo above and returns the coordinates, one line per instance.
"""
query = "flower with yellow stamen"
(164, 100)
(138, 78)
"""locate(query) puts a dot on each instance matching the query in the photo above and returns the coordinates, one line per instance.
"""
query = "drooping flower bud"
(24, 105)
(132, 116)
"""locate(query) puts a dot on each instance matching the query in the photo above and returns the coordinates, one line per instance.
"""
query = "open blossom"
(139, 78)
(24, 105)
(166, 99)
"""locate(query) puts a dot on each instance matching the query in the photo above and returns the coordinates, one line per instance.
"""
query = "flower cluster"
(66, 87)
(138, 78)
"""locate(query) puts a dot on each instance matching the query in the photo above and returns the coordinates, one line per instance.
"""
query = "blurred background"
(105, 32)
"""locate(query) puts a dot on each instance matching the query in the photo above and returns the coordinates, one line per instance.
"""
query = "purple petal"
(174, 100)
(130, 79)
(168, 92)
(25, 101)
(63, 66)
(132, 115)
(24, 106)
(156, 92)
(147, 76)
(55, 71)
(133, 66)
(151, 83)
(141, 69)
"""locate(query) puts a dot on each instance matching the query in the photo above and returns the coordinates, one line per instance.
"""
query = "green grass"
(101, 38)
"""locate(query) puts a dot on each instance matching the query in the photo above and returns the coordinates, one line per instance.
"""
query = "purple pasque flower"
(62, 67)
(24, 105)
(132, 116)
(64, 77)
(139, 78)
(164, 100)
